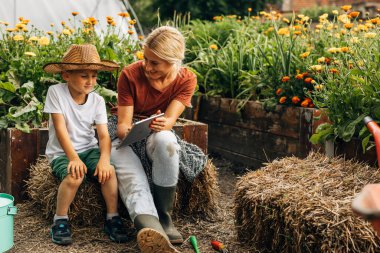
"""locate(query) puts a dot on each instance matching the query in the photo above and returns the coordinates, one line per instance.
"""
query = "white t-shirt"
(79, 119)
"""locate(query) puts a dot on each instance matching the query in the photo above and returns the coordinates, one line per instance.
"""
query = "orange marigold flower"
(308, 80)
(346, 7)
(140, 55)
(344, 49)
(123, 14)
(295, 100)
(285, 79)
(374, 20)
(305, 103)
(348, 25)
(278, 91)
(74, 13)
(305, 74)
(21, 18)
(299, 76)
(354, 14)
(282, 100)
(63, 23)
(334, 71)
(130, 32)
(213, 47)
(249, 9)
(141, 37)
(132, 22)
(297, 33)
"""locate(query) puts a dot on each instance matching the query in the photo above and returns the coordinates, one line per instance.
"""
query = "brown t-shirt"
(134, 90)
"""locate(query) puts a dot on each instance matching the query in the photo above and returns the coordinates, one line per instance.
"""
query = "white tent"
(42, 13)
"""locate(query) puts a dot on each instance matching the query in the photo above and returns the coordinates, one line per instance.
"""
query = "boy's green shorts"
(90, 158)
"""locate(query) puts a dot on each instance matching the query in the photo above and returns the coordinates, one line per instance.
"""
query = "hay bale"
(88, 208)
(199, 199)
(304, 205)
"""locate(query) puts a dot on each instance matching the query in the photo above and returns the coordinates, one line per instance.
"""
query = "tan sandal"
(152, 241)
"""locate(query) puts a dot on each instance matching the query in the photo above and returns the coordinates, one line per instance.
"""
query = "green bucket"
(7, 211)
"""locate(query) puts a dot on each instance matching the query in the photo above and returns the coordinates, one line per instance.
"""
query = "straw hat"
(79, 57)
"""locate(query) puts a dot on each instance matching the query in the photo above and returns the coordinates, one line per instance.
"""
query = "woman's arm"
(124, 122)
(172, 113)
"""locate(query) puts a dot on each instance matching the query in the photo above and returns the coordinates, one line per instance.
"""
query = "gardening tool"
(218, 246)
(194, 242)
(7, 211)
(374, 128)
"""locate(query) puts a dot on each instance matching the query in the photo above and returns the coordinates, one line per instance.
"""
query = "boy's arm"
(104, 169)
(76, 167)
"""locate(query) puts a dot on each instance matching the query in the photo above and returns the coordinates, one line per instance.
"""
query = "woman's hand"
(160, 124)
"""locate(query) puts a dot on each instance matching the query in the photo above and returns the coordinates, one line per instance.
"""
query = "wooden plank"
(24, 150)
(238, 158)
(255, 144)
(5, 174)
(284, 120)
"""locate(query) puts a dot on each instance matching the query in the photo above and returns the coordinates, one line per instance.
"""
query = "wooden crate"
(253, 135)
(19, 150)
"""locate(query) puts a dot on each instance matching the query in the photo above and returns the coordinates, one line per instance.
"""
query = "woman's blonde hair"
(167, 43)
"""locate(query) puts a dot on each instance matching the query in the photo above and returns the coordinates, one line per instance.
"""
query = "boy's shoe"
(61, 232)
(115, 229)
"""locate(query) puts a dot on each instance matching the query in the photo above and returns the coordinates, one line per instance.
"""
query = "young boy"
(72, 149)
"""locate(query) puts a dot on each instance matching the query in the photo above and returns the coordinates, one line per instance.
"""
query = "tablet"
(139, 131)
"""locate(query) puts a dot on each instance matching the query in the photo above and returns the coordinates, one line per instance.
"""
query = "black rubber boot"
(151, 237)
(164, 200)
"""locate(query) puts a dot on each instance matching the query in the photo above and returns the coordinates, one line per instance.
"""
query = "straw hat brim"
(58, 67)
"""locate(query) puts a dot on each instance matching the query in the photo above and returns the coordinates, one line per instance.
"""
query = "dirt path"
(32, 232)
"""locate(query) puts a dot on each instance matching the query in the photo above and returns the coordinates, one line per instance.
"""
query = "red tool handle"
(374, 128)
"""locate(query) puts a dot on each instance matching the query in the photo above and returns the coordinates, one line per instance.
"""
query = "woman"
(156, 84)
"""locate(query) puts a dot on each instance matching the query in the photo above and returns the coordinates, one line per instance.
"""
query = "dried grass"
(304, 205)
(88, 208)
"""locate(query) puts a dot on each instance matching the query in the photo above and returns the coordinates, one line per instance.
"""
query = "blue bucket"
(7, 211)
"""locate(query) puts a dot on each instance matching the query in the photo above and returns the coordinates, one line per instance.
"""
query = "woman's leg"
(133, 184)
(163, 150)
(136, 195)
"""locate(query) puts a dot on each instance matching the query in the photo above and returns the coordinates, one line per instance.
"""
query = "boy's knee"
(73, 182)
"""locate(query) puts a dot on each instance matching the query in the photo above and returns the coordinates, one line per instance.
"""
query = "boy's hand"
(77, 168)
(104, 171)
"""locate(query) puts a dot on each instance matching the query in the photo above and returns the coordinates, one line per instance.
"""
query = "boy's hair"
(80, 57)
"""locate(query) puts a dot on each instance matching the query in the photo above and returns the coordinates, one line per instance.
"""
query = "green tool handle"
(193, 241)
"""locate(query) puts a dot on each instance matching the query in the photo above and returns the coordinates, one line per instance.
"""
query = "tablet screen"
(139, 131)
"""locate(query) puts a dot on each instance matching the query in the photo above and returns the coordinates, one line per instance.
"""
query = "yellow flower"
(348, 25)
(49, 33)
(335, 12)
(66, 32)
(286, 20)
(333, 50)
(362, 27)
(132, 22)
(30, 54)
(370, 35)
(346, 7)
(304, 55)
(283, 31)
(354, 14)
(316, 67)
(20, 26)
(318, 87)
(354, 40)
(18, 37)
(140, 55)
(33, 38)
(321, 60)
(10, 29)
(213, 47)
(345, 49)
(249, 9)
(319, 26)
(44, 41)
(344, 18)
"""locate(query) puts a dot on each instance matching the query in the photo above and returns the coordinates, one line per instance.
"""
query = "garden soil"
(32, 231)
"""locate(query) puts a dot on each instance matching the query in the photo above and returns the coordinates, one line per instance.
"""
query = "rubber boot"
(151, 237)
(164, 201)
